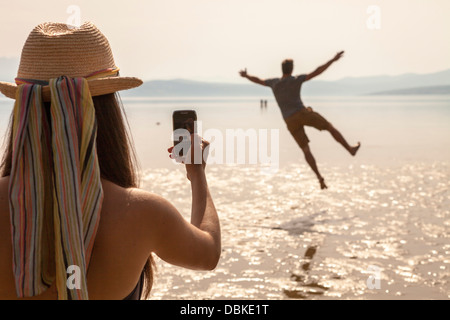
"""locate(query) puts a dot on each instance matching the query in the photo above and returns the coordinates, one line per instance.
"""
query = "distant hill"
(402, 84)
(343, 87)
(365, 85)
(416, 91)
(189, 88)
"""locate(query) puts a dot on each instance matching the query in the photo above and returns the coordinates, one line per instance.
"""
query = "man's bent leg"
(312, 163)
(339, 138)
(314, 119)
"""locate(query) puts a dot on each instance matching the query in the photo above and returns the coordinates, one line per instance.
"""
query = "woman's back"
(119, 254)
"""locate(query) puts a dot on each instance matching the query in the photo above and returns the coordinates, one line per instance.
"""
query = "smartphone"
(184, 119)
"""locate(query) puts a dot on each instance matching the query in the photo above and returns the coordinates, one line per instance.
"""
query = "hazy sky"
(212, 39)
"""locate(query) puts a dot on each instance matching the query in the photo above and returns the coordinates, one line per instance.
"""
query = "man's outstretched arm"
(321, 69)
(256, 80)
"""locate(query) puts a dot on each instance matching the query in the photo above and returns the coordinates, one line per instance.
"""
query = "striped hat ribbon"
(55, 190)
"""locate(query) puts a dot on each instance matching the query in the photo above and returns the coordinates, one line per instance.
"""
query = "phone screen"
(184, 119)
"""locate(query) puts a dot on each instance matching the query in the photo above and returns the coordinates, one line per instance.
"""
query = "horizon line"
(339, 79)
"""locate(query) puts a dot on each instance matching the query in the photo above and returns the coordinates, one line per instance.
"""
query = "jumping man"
(287, 93)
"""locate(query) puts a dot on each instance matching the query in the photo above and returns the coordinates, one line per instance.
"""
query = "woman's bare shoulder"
(132, 198)
(115, 196)
(140, 210)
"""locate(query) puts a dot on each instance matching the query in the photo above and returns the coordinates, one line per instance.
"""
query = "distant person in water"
(287, 93)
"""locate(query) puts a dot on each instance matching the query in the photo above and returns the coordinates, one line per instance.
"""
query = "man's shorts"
(305, 117)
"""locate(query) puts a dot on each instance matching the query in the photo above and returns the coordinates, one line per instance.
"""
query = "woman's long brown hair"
(119, 167)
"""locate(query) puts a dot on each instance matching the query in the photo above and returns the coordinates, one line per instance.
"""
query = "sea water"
(381, 230)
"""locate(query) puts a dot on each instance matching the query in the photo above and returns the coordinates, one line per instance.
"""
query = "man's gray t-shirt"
(287, 93)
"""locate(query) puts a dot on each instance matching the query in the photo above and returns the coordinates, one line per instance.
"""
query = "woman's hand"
(196, 156)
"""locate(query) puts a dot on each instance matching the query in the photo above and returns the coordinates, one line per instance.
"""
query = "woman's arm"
(194, 245)
(203, 214)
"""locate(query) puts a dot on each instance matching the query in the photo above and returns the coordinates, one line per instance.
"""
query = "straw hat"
(56, 49)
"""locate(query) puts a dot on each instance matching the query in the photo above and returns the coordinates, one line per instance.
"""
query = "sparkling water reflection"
(284, 239)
